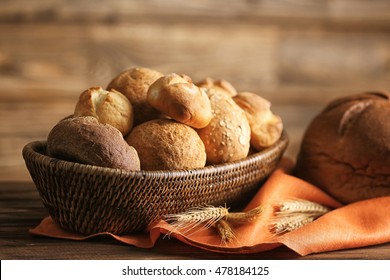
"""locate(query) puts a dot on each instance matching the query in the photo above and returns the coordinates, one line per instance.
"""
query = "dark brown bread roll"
(346, 148)
(164, 144)
(85, 140)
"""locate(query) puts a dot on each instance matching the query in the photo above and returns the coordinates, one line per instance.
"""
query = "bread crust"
(227, 137)
(134, 84)
(164, 144)
(266, 127)
(218, 85)
(346, 148)
(109, 107)
(178, 98)
(85, 140)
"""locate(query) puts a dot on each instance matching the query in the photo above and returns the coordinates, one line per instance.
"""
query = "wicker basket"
(89, 199)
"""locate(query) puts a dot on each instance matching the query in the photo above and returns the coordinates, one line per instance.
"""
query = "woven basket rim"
(34, 149)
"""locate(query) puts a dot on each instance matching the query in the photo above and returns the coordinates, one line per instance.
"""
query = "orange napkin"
(355, 225)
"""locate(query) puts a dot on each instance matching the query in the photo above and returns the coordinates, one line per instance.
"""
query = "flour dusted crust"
(164, 144)
(85, 140)
(227, 137)
(346, 148)
(134, 84)
(109, 107)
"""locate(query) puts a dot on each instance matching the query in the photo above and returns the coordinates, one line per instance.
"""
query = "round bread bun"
(85, 140)
(109, 107)
(266, 128)
(164, 144)
(178, 98)
(219, 85)
(227, 137)
(134, 84)
(346, 148)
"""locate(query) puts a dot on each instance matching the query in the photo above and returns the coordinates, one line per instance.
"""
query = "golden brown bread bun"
(164, 144)
(85, 140)
(346, 148)
(266, 128)
(177, 97)
(227, 137)
(109, 107)
(134, 84)
(219, 85)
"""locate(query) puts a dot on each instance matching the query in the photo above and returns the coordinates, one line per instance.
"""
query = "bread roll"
(227, 137)
(177, 97)
(164, 144)
(219, 85)
(109, 107)
(266, 128)
(346, 148)
(134, 84)
(85, 140)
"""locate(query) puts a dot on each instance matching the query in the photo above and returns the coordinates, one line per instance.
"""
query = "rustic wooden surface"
(21, 209)
(298, 54)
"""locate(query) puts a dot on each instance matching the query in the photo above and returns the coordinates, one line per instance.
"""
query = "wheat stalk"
(293, 214)
(203, 215)
(208, 216)
(225, 231)
(244, 217)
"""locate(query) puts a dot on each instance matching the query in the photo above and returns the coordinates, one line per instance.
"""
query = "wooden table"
(21, 209)
(300, 55)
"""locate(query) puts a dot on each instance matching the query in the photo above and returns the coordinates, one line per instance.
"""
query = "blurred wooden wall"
(299, 54)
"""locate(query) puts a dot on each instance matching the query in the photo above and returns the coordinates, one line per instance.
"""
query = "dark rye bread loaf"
(346, 148)
(85, 140)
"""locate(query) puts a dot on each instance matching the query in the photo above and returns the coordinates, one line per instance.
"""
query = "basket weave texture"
(89, 199)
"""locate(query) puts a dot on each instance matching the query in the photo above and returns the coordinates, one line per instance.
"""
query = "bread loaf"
(134, 84)
(164, 144)
(177, 97)
(266, 127)
(85, 140)
(218, 85)
(227, 137)
(346, 148)
(109, 107)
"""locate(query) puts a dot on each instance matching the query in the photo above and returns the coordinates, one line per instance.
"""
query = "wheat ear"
(225, 231)
(290, 223)
(293, 214)
(203, 215)
(301, 206)
(209, 215)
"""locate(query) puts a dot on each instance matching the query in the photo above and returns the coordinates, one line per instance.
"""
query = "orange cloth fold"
(355, 225)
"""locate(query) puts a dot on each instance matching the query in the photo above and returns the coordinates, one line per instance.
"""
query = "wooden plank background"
(299, 54)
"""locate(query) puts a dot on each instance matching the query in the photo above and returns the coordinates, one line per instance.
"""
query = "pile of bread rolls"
(145, 120)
